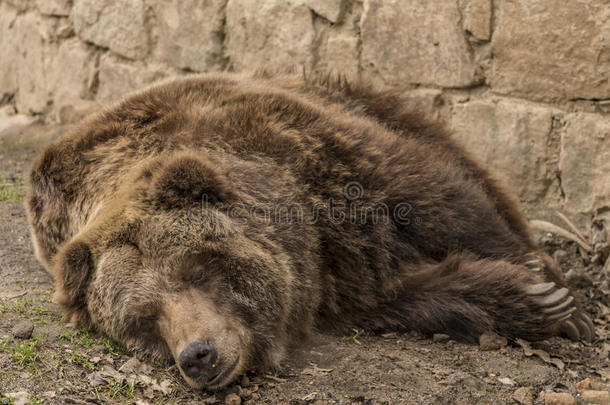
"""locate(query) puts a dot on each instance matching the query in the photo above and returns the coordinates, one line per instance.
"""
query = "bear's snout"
(198, 359)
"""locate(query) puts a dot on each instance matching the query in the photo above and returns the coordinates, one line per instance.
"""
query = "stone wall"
(524, 84)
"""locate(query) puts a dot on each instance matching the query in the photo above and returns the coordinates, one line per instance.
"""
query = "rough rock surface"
(404, 42)
(500, 131)
(532, 57)
(8, 44)
(54, 7)
(252, 40)
(23, 330)
(477, 18)
(192, 33)
(585, 162)
(115, 24)
(332, 10)
(32, 61)
(118, 78)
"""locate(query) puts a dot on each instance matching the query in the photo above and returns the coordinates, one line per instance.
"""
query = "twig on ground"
(571, 225)
(549, 227)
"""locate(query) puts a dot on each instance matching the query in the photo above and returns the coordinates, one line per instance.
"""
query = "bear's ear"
(186, 180)
(73, 269)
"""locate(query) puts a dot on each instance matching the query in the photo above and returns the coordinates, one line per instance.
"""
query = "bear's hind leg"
(465, 296)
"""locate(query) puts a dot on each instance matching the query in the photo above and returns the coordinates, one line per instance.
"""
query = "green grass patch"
(19, 307)
(12, 190)
(35, 401)
(80, 360)
(6, 400)
(113, 346)
(25, 354)
(87, 339)
(41, 311)
(114, 390)
(358, 336)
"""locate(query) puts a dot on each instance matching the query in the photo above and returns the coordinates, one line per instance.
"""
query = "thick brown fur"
(248, 210)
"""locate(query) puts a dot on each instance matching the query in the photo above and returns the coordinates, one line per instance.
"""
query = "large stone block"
(117, 78)
(550, 50)
(77, 58)
(477, 18)
(34, 54)
(9, 39)
(269, 34)
(427, 102)
(21, 5)
(115, 24)
(332, 10)
(512, 138)
(340, 55)
(585, 162)
(416, 41)
(54, 7)
(49, 72)
(192, 32)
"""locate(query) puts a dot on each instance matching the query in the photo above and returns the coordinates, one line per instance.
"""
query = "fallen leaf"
(315, 370)
(309, 397)
(528, 351)
(164, 386)
(507, 381)
(274, 378)
(96, 379)
(135, 366)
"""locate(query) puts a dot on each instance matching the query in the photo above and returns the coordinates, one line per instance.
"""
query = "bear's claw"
(579, 327)
(540, 289)
(534, 264)
(570, 329)
(585, 326)
(559, 306)
(555, 298)
(562, 315)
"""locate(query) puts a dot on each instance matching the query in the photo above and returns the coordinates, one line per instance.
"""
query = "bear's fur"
(229, 215)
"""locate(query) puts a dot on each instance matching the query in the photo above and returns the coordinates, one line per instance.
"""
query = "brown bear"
(216, 219)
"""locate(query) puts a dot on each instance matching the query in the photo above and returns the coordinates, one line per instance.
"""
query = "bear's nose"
(198, 358)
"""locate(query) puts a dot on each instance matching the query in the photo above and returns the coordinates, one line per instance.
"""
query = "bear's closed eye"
(147, 322)
(194, 275)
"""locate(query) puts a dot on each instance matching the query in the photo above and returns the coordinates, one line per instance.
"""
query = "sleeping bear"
(215, 220)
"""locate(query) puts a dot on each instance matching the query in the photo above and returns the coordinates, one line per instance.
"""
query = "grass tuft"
(79, 359)
(12, 190)
(25, 354)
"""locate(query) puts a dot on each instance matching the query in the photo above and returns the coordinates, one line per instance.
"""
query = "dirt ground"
(58, 364)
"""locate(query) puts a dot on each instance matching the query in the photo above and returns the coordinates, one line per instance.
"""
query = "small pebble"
(491, 341)
(589, 384)
(507, 381)
(596, 397)
(560, 256)
(23, 330)
(18, 398)
(524, 395)
(440, 338)
(232, 399)
(558, 398)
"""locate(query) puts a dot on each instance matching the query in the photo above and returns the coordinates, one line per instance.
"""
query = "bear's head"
(163, 268)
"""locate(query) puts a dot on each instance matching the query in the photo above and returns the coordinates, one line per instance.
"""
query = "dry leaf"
(528, 351)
